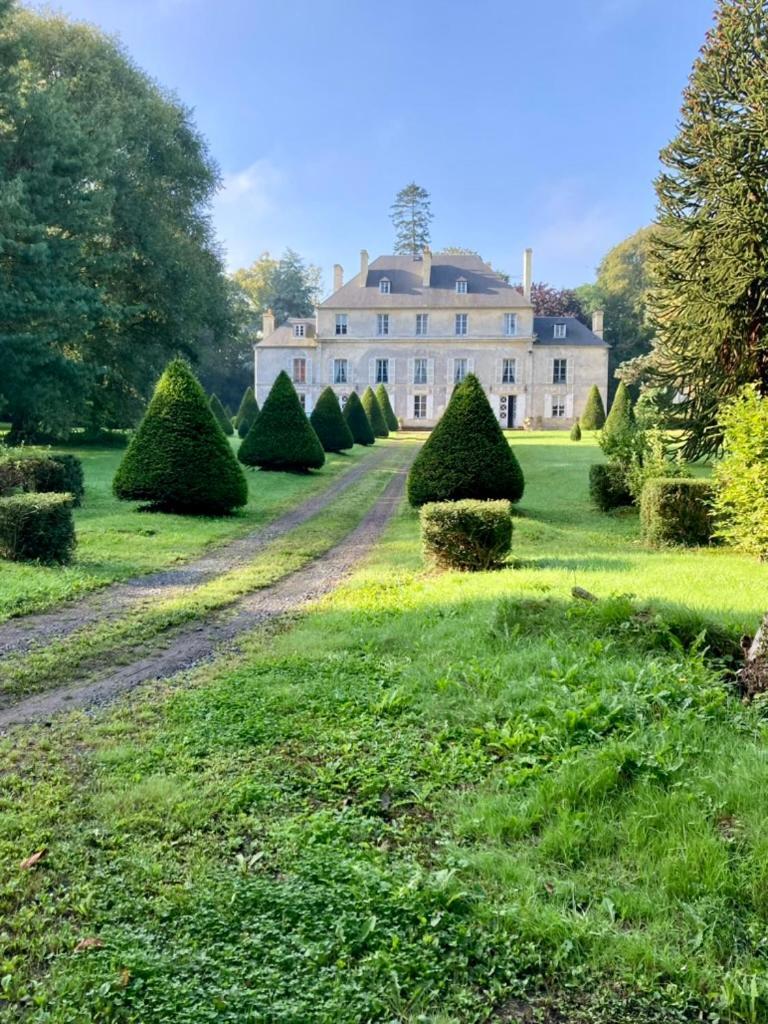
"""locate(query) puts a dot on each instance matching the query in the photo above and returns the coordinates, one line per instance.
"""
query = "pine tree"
(411, 215)
(575, 432)
(220, 413)
(466, 455)
(593, 417)
(282, 437)
(247, 413)
(373, 411)
(179, 459)
(386, 408)
(358, 421)
(709, 259)
(329, 423)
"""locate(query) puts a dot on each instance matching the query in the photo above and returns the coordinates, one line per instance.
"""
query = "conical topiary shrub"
(329, 423)
(373, 412)
(220, 413)
(247, 413)
(282, 437)
(357, 420)
(576, 431)
(389, 415)
(621, 417)
(179, 459)
(593, 416)
(466, 455)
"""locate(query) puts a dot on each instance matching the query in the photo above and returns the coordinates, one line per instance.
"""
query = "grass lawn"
(116, 542)
(435, 799)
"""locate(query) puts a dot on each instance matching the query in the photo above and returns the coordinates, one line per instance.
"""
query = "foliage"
(357, 420)
(549, 301)
(373, 411)
(675, 511)
(466, 455)
(225, 359)
(108, 259)
(289, 286)
(179, 459)
(608, 487)
(593, 417)
(329, 424)
(37, 527)
(575, 434)
(282, 437)
(247, 413)
(386, 407)
(650, 456)
(709, 257)
(469, 535)
(411, 215)
(42, 473)
(741, 477)
(220, 415)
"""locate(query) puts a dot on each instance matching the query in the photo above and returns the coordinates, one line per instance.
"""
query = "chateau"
(418, 325)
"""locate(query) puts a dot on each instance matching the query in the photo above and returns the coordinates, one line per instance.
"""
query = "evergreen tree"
(621, 417)
(179, 459)
(247, 413)
(358, 421)
(575, 432)
(593, 417)
(373, 412)
(709, 258)
(411, 215)
(282, 437)
(386, 408)
(466, 455)
(329, 423)
(220, 413)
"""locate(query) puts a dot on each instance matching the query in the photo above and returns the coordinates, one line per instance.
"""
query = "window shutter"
(449, 362)
(551, 378)
(514, 370)
(470, 365)
(430, 372)
(569, 372)
(309, 371)
(569, 406)
(429, 407)
(520, 409)
(391, 370)
(371, 371)
(548, 407)
(410, 370)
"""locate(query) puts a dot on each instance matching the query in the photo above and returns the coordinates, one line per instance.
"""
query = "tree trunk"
(753, 678)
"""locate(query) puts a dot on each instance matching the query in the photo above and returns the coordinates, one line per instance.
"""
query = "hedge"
(218, 410)
(386, 408)
(466, 455)
(468, 535)
(179, 459)
(593, 417)
(329, 424)
(42, 473)
(373, 411)
(282, 437)
(357, 420)
(37, 527)
(676, 511)
(608, 486)
(247, 413)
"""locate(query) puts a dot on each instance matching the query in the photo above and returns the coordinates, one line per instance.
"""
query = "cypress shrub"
(466, 455)
(329, 423)
(281, 436)
(608, 487)
(374, 413)
(179, 459)
(576, 431)
(224, 421)
(357, 420)
(246, 417)
(37, 527)
(386, 408)
(676, 511)
(593, 417)
(468, 535)
(621, 417)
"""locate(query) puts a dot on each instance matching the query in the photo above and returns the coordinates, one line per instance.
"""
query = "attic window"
(461, 286)
(384, 286)
(559, 330)
(299, 330)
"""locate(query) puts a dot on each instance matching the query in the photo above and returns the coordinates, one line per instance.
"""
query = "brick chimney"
(597, 322)
(363, 268)
(338, 276)
(267, 323)
(527, 273)
(426, 267)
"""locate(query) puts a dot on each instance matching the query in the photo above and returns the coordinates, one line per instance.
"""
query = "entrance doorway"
(511, 410)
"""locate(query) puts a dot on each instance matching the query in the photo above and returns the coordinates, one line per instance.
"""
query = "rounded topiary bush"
(466, 455)
(593, 416)
(329, 423)
(386, 407)
(220, 413)
(357, 420)
(609, 487)
(247, 413)
(282, 437)
(675, 511)
(373, 411)
(37, 527)
(575, 432)
(179, 459)
(468, 535)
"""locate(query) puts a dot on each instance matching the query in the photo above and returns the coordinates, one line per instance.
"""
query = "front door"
(511, 410)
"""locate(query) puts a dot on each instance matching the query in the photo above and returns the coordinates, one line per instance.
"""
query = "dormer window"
(559, 330)
(299, 330)
(384, 286)
(461, 286)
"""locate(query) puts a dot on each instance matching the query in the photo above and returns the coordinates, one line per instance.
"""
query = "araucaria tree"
(179, 459)
(220, 413)
(593, 416)
(411, 215)
(386, 408)
(329, 424)
(466, 455)
(709, 258)
(358, 421)
(373, 411)
(282, 437)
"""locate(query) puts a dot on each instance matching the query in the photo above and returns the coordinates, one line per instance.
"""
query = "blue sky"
(531, 123)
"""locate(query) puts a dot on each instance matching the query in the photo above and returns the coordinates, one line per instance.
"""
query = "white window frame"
(511, 377)
(510, 324)
(461, 325)
(419, 407)
(460, 369)
(302, 377)
(559, 407)
(560, 371)
(382, 325)
(380, 377)
(559, 330)
(385, 286)
(299, 330)
(419, 364)
(461, 286)
(342, 323)
(340, 371)
(422, 325)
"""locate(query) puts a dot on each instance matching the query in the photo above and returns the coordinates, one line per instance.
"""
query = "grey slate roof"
(283, 337)
(575, 332)
(484, 286)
